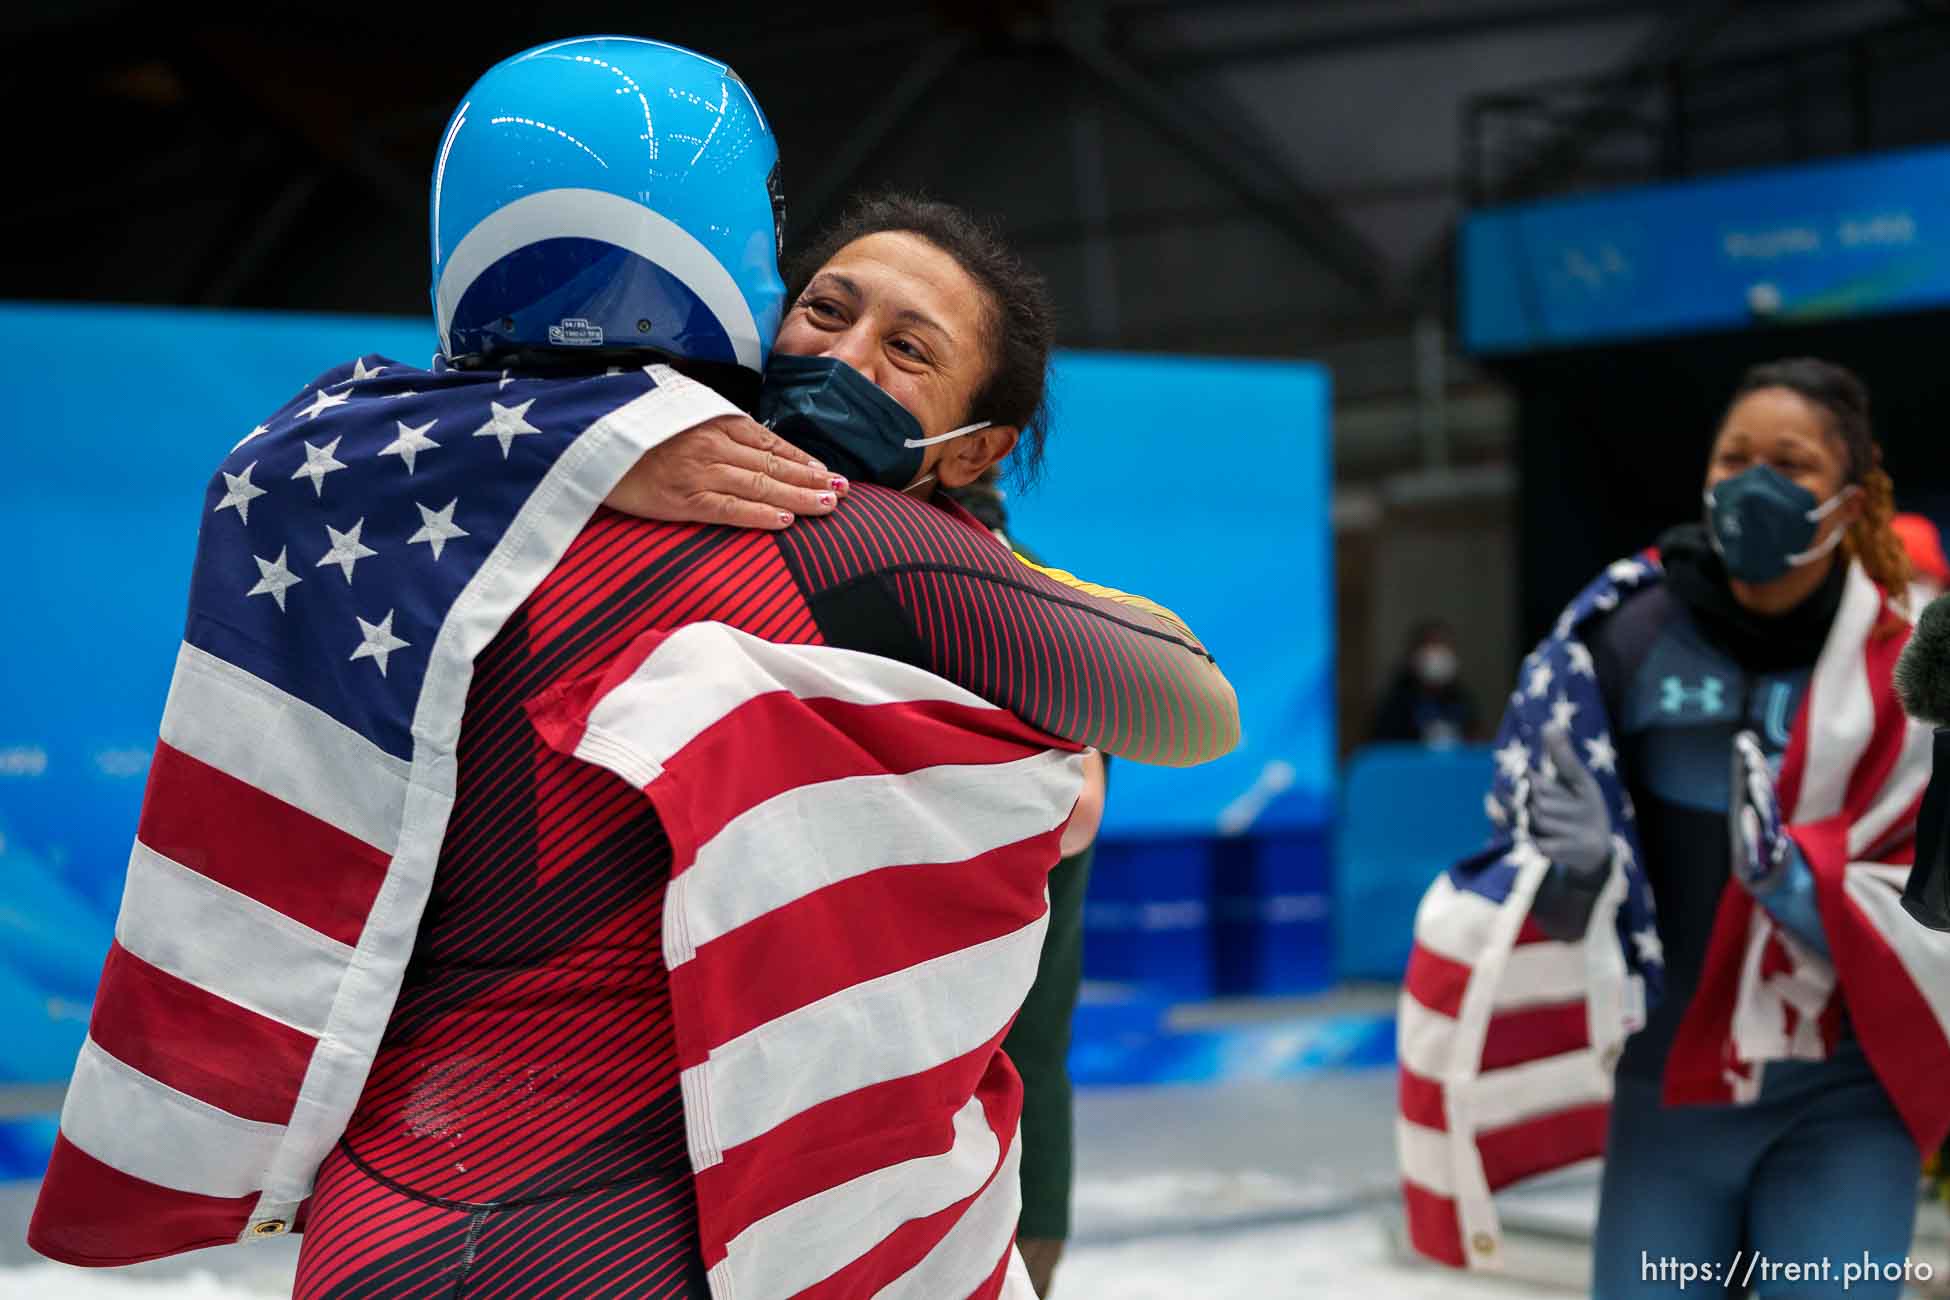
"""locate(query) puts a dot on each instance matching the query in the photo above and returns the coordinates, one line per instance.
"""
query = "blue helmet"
(608, 193)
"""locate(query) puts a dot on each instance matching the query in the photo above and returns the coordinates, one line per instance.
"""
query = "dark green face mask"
(824, 406)
(1763, 523)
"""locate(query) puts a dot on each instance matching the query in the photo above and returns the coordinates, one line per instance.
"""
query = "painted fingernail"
(840, 484)
(784, 518)
(826, 498)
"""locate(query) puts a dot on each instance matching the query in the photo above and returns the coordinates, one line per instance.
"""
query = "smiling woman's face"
(903, 313)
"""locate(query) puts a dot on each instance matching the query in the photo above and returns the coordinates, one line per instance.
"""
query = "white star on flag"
(323, 401)
(1606, 601)
(507, 423)
(1562, 711)
(410, 443)
(405, 392)
(1580, 656)
(1513, 760)
(1651, 951)
(437, 527)
(1599, 755)
(274, 578)
(1540, 681)
(505, 381)
(239, 492)
(1494, 810)
(1621, 850)
(359, 372)
(319, 462)
(347, 550)
(1625, 572)
(258, 431)
(378, 641)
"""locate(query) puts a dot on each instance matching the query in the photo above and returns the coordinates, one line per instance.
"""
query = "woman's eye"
(821, 307)
(907, 349)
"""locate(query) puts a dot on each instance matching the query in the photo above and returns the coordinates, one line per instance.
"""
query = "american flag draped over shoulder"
(849, 936)
(357, 550)
(1508, 1039)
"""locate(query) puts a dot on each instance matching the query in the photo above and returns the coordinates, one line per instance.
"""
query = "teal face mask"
(1762, 523)
(826, 407)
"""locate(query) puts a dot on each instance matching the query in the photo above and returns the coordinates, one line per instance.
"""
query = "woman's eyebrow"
(915, 316)
(835, 280)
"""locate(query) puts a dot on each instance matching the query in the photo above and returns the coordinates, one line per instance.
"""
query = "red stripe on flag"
(1433, 1228)
(1534, 1033)
(1436, 982)
(1421, 1101)
(1695, 1065)
(224, 828)
(854, 740)
(197, 1042)
(1533, 1146)
(849, 1136)
(901, 1250)
(94, 1215)
(1530, 933)
(810, 948)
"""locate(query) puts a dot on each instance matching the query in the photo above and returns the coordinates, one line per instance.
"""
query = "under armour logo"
(1675, 695)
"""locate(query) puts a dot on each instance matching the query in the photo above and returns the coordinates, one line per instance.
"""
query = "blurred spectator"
(1426, 702)
(1929, 572)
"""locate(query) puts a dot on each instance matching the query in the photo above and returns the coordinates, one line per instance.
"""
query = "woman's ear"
(968, 456)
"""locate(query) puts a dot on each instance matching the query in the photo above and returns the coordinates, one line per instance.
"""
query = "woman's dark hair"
(1020, 322)
(1845, 399)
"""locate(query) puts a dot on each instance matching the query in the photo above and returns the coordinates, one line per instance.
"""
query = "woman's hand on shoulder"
(728, 470)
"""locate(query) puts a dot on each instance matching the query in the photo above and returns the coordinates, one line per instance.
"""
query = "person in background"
(1426, 703)
(1039, 1041)
(1929, 571)
(1761, 634)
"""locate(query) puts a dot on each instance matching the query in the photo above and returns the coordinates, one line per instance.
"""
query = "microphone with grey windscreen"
(1923, 686)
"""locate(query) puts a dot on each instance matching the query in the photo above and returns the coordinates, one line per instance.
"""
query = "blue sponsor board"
(1849, 238)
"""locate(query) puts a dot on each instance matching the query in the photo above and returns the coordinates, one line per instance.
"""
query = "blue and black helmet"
(608, 193)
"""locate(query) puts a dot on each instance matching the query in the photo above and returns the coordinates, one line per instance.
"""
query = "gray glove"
(1568, 819)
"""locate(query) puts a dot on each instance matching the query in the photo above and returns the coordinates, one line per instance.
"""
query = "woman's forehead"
(898, 272)
(1780, 416)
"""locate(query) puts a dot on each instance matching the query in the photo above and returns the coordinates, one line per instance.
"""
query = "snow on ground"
(1342, 1256)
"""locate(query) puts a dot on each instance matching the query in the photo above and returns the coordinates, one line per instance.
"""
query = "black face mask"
(826, 407)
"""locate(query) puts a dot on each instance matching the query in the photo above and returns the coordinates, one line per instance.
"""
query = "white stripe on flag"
(1499, 1098)
(898, 1025)
(1840, 712)
(1924, 953)
(249, 729)
(1423, 1154)
(812, 1239)
(722, 668)
(817, 835)
(1905, 786)
(1543, 974)
(1454, 923)
(1425, 1041)
(227, 943)
(147, 1129)
(964, 1258)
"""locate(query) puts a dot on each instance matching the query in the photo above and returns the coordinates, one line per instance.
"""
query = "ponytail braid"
(1873, 543)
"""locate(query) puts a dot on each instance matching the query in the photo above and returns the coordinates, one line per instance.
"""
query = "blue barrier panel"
(50, 936)
(1148, 920)
(1406, 814)
(43, 1031)
(25, 1145)
(1272, 928)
